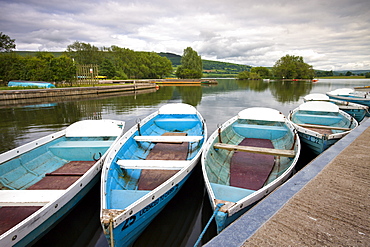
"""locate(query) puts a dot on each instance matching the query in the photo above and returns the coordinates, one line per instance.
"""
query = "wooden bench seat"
(153, 164)
(168, 139)
(259, 150)
(28, 197)
(316, 126)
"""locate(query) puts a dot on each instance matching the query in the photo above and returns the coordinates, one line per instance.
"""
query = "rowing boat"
(146, 168)
(350, 95)
(321, 124)
(247, 158)
(355, 110)
(43, 180)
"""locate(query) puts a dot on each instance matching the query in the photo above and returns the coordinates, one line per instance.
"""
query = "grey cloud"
(330, 33)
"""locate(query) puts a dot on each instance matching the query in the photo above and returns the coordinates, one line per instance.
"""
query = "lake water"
(183, 219)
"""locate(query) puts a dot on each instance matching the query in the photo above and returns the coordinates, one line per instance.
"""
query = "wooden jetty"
(16, 97)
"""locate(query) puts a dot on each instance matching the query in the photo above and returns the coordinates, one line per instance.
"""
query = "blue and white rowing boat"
(350, 95)
(247, 158)
(40, 84)
(146, 168)
(355, 110)
(321, 124)
(43, 180)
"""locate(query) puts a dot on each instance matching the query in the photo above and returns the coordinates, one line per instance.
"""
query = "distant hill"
(175, 59)
(209, 66)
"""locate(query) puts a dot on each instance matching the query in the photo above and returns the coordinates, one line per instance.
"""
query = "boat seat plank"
(28, 197)
(153, 164)
(11, 216)
(316, 126)
(168, 139)
(257, 150)
(82, 144)
(251, 170)
(149, 178)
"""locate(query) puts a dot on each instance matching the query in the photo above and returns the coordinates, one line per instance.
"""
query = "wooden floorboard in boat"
(11, 216)
(250, 170)
(63, 177)
(74, 167)
(321, 131)
(150, 178)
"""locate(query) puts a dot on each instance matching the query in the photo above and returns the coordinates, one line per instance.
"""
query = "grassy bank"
(343, 77)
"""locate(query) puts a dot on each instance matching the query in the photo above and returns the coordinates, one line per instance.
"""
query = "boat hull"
(357, 100)
(236, 181)
(321, 124)
(127, 232)
(146, 168)
(316, 144)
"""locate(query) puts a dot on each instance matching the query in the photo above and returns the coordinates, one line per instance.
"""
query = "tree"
(191, 65)
(84, 53)
(6, 43)
(293, 67)
(261, 71)
(244, 75)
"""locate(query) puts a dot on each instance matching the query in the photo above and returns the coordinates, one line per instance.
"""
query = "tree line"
(287, 67)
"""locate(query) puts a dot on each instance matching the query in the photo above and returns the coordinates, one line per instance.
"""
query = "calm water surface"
(183, 219)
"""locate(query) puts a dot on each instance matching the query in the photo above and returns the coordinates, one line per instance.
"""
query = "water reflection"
(289, 91)
(21, 124)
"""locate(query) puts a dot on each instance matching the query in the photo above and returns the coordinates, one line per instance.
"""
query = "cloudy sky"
(328, 34)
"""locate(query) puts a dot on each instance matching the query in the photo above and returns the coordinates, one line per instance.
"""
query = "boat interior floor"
(60, 179)
(63, 177)
(150, 178)
(251, 170)
(12, 215)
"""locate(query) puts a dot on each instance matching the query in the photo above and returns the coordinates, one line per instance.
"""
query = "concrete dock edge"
(249, 223)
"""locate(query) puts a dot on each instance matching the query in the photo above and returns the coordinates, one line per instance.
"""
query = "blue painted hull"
(30, 84)
(358, 114)
(317, 145)
(357, 100)
(131, 229)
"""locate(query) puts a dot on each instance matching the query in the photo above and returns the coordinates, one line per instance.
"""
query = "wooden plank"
(259, 150)
(168, 139)
(28, 197)
(323, 127)
(153, 164)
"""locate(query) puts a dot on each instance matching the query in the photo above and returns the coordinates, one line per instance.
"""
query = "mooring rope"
(209, 223)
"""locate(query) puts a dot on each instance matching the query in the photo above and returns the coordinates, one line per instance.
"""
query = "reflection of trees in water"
(288, 91)
(190, 95)
(254, 85)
